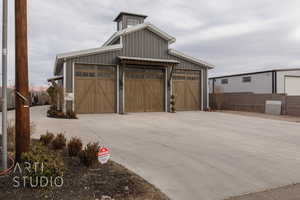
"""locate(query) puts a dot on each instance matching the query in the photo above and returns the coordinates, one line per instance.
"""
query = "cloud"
(233, 35)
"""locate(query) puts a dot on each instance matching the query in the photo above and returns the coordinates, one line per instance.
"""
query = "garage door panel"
(105, 96)
(134, 95)
(178, 91)
(96, 85)
(85, 96)
(187, 90)
(192, 95)
(154, 97)
(144, 90)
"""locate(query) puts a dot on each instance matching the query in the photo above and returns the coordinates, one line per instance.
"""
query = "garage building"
(134, 71)
(273, 81)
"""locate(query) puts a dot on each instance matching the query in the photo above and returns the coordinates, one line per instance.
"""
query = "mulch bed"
(81, 183)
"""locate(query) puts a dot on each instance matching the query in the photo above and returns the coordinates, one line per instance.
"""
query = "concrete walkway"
(193, 155)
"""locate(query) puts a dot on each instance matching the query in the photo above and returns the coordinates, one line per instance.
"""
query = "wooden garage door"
(144, 90)
(187, 90)
(95, 89)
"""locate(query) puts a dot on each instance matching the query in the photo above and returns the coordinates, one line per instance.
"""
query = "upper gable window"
(132, 22)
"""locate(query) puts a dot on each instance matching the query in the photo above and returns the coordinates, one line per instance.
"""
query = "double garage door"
(144, 89)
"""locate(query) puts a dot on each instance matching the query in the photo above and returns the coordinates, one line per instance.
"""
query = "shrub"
(59, 141)
(53, 112)
(50, 164)
(47, 138)
(173, 108)
(88, 156)
(71, 115)
(74, 146)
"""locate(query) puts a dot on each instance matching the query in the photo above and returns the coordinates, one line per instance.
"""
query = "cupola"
(125, 20)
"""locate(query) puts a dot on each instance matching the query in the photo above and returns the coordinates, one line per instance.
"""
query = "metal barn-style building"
(134, 71)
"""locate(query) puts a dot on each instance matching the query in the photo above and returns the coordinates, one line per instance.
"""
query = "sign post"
(103, 155)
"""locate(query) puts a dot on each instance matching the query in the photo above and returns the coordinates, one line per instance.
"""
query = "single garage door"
(292, 85)
(144, 89)
(95, 89)
(187, 90)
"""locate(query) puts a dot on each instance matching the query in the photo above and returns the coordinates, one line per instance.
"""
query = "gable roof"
(183, 56)
(138, 27)
(89, 51)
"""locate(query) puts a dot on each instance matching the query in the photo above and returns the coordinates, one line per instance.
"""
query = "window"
(132, 22)
(246, 79)
(224, 81)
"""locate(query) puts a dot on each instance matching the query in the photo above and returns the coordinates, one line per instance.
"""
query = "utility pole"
(22, 93)
(4, 85)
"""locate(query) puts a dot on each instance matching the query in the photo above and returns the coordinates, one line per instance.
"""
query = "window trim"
(135, 22)
(246, 79)
(224, 81)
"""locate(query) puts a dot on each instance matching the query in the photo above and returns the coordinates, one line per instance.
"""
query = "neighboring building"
(276, 81)
(134, 71)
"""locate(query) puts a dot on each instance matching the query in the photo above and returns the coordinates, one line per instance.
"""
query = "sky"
(234, 36)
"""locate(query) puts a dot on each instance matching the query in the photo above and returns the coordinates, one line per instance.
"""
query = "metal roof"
(138, 27)
(60, 57)
(256, 72)
(89, 51)
(189, 58)
(131, 14)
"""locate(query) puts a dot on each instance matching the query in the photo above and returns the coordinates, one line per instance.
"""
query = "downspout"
(213, 86)
(170, 87)
(273, 82)
(275, 73)
(171, 75)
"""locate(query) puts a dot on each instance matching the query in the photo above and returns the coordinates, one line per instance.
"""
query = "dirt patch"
(265, 116)
(290, 192)
(83, 183)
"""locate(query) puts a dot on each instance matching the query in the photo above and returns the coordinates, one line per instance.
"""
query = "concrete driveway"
(193, 155)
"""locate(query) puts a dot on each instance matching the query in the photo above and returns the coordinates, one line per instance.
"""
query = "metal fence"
(293, 105)
(254, 102)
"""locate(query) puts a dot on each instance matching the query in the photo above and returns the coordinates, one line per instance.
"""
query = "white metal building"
(276, 81)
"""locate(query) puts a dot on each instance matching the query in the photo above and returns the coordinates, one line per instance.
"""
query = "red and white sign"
(103, 155)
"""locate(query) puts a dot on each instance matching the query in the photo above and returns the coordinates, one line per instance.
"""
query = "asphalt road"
(193, 155)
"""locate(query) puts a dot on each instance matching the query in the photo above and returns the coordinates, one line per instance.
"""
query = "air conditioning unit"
(273, 107)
